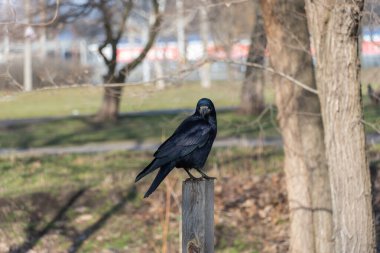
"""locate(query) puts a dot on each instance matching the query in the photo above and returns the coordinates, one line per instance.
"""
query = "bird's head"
(205, 108)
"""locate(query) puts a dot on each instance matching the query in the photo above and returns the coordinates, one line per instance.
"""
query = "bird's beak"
(204, 110)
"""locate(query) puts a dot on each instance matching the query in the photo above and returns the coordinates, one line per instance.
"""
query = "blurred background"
(88, 90)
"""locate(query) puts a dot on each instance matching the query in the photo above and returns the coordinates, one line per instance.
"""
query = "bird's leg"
(204, 174)
(190, 175)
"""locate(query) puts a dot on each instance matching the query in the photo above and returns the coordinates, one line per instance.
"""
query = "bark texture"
(301, 125)
(252, 97)
(334, 27)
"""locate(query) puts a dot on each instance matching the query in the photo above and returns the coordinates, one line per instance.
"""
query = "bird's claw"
(209, 178)
(200, 178)
(204, 175)
(193, 178)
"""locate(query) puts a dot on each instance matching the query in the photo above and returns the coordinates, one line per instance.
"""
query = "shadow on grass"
(33, 236)
(83, 130)
(86, 233)
(77, 237)
(88, 127)
(133, 127)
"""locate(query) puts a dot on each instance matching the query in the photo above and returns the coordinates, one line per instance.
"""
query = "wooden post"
(198, 216)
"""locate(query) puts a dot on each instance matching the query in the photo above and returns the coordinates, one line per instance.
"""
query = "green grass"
(81, 130)
(45, 174)
(33, 190)
(86, 100)
(76, 131)
(56, 172)
(137, 128)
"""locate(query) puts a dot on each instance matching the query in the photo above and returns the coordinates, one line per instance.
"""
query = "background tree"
(334, 26)
(299, 117)
(112, 18)
(111, 98)
(230, 23)
(252, 94)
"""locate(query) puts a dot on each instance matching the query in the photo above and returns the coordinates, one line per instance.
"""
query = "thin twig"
(373, 126)
(176, 75)
(269, 69)
(51, 21)
(167, 217)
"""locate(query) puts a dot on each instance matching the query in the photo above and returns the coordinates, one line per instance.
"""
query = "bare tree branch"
(153, 31)
(100, 50)
(49, 22)
(269, 69)
(128, 9)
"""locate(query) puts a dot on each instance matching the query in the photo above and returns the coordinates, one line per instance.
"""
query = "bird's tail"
(148, 169)
(162, 173)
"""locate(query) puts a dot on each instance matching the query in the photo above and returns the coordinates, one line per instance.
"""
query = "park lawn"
(52, 173)
(151, 128)
(86, 100)
(69, 196)
(68, 131)
(96, 194)
(82, 130)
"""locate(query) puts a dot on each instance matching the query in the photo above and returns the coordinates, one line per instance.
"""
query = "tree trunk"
(109, 111)
(252, 96)
(334, 26)
(301, 125)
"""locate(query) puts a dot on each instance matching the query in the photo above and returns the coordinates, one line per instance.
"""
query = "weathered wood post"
(198, 216)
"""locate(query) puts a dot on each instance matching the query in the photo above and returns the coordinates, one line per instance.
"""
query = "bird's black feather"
(193, 133)
(188, 147)
(162, 173)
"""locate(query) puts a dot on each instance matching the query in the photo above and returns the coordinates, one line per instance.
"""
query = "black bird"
(187, 148)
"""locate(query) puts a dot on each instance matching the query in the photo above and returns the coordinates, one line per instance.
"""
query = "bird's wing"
(191, 134)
